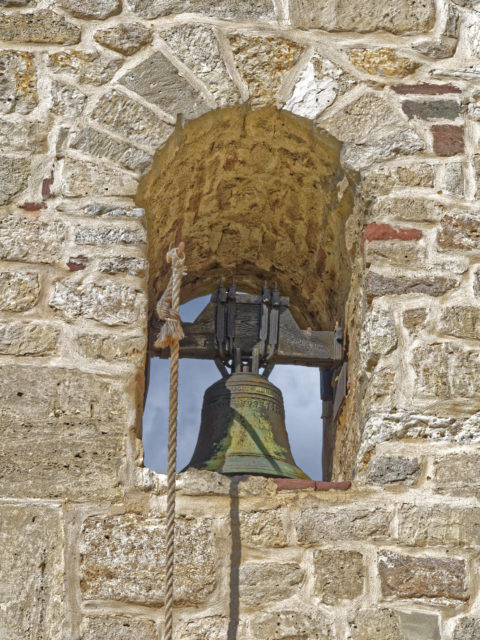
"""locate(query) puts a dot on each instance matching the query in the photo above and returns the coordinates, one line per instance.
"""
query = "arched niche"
(256, 195)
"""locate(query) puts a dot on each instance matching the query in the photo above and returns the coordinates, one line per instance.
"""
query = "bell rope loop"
(171, 333)
(171, 330)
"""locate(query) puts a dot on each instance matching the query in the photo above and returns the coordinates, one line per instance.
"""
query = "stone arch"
(258, 196)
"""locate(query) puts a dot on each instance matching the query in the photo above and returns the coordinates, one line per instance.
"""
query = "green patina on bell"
(242, 430)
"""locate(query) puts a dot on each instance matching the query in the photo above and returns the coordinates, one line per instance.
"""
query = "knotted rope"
(171, 333)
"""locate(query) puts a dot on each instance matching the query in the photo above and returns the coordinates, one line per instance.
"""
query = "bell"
(242, 430)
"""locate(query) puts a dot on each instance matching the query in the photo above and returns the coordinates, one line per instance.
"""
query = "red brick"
(32, 206)
(338, 486)
(426, 89)
(431, 109)
(286, 484)
(447, 139)
(376, 231)
(46, 184)
(77, 263)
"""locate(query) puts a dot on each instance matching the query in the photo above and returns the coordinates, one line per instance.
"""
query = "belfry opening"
(260, 199)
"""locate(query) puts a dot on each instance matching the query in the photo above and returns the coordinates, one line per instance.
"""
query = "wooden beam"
(295, 346)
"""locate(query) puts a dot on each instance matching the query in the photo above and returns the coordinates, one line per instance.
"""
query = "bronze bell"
(242, 430)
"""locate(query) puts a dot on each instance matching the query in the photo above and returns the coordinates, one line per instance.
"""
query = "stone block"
(266, 582)
(394, 253)
(387, 624)
(238, 10)
(99, 236)
(457, 474)
(317, 87)
(94, 9)
(382, 62)
(422, 526)
(292, 624)
(28, 338)
(460, 321)
(382, 181)
(131, 120)
(379, 392)
(362, 120)
(447, 139)
(360, 156)
(339, 575)
(101, 145)
(393, 470)
(124, 264)
(262, 529)
(444, 47)
(62, 458)
(404, 16)
(445, 370)
(416, 625)
(384, 426)
(379, 285)
(43, 27)
(317, 525)
(84, 178)
(459, 231)
(14, 174)
(211, 627)
(378, 337)
(197, 47)
(264, 62)
(117, 628)
(159, 82)
(21, 137)
(66, 100)
(418, 209)
(127, 38)
(432, 110)
(112, 348)
(123, 558)
(467, 629)
(476, 283)
(17, 3)
(31, 593)
(19, 290)
(88, 67)
(111, 304)
(381, 624)
(104, 210)
(421, 577)
(18, 90)
(414, 319)
(63, 433)
(476, 164)
(199, 482)
(24, 239)
(454, 178)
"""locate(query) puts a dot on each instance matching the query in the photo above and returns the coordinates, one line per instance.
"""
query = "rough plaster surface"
(353, 183)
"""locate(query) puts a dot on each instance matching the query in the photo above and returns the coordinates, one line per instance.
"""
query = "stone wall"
(90, 92)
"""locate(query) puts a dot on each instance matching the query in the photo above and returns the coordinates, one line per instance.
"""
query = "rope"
(170, 334)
